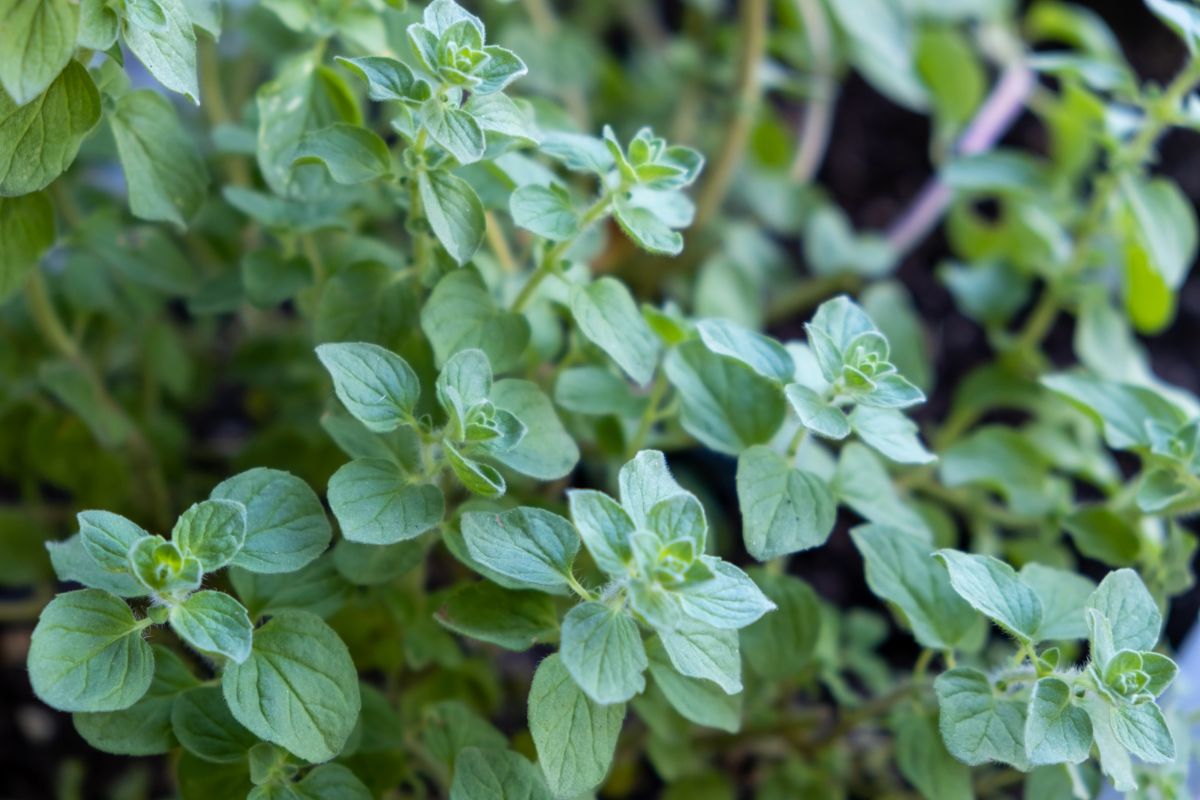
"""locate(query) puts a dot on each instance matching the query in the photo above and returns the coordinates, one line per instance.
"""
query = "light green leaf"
(286, 526)
(143, 729)
(606, 314)
(646, 230)
(762, 354)
(1056, 730)
(1123, 599)
(298, 688)
(994, 589)
(700, 651)
(784, 641)
(1124, 409)
(833, 327)
(460, 315)
(306, 96)
(454, 213)
(481, 774)
(1141, 728)
(784, 510)
(978, 723)
(1114, 759)
(1064, 594)
(87, 653)
(451, 725)
(501, 68)
(701, 701)
(546, 451)
(387, 78)
(899, 569)
(1165, 224)
(351, 153)
(71, 562)
(167, 49)
(923, 760)
(1181, 16)
(482, 479)
(374, 384)
(215, 624)
(545, 210)
(317, 587)
(455, 130)
(729, 600)
(605, 528)
(1161, 671)
(70, 107)
(602, 649)
(645, 481)
(204, 725)
(98, 25)
(530, 546)
(108, 538)
(37, 39)
(891, 433)
(499, 114)
(575, 737)
(26, 231)
(679, 517)
(597, 391)
(375, 503)
(817, 415)
(725, 404)
(212, 531)
(512, 619)
(163, 170)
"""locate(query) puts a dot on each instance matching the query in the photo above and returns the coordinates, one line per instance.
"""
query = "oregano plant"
(398, 405)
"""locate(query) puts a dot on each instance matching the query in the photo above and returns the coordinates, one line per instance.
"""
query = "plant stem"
(498, 243)
(578, 588)
(550, 259)
(818, 111)
(215, 105)
(657, 390)
(747, 94)
(46, 318)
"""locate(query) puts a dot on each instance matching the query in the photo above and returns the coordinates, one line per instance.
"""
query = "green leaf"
(163, 170)
(606, 314)
(375, 503)
(646, 230)
(374, 384)
(1164, 223)
(166, 48)
(108, 538)
(212, 531)
(575, 737)
(1063, 594)
(602, 649)
(994, 589)
(26, 231)
(215, 624)
(1182, 17)
(70, 384)
(482, 479)
(317, 587)
(306, 96)
(605, 528)
(1056, 730)
(923, 760)
(1141, 728)
(1114, 759)
(837, 323)
(728, 600)
(1124, 409)
(784, 510)
(286, 526)
(71, 562)
(481, 774)
(817, 415)
(328, 781)
(37, 40)
(1161, 671)
(891, 433)
(725, 404)
(454, 213)
(449, 726)
(143, 729)
(530, 546)
(1131, 611)
(514, 620)
(204, 725)
(351, 153)
(98, 25)
(545, 210)
(899, 569)
(784, 641)
(456, 131)
(701, 701)
(644, 482)
(501, 68)
(298, 688)
(597, 391)
(978, 723)
(546, 451)
(499, 114)
(762, 354)
(387, 78)
(87, 653)
(70, 107)
(461, 315)
(699, 651)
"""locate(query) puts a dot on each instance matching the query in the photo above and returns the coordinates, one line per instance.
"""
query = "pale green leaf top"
(994, 589)
(215, 624)
(602, 649)
(377, 386)
(528, 545)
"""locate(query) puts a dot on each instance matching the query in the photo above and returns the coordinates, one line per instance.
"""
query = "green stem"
(818, 111)
(578, 588)
(549, 262)
(638, 440)
(46, 318)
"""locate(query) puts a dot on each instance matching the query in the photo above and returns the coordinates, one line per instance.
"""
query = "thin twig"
(818, 111)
